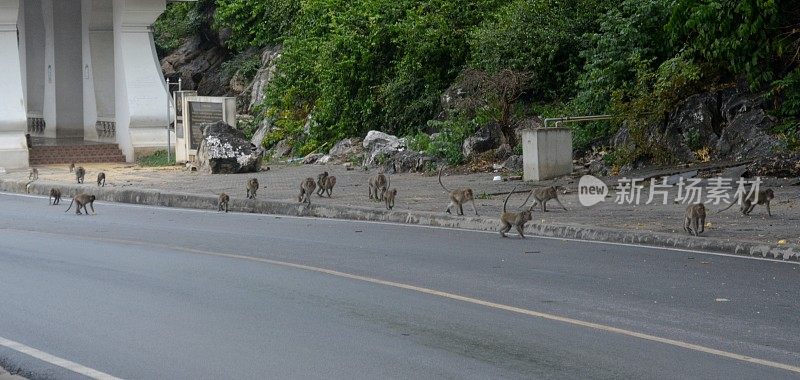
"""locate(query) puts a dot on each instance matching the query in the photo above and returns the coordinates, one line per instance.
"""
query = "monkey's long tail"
(526, 199)
(70, 204)
(508, 196)
(729, 206)
(440, 180)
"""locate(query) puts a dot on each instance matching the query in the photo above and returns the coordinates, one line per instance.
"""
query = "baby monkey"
(307, 188)
(101, 179)
(33, 174)
(516, 219)
(325, 183)
(389, 197)
(55, 196)
(252, 187)
(80, 172)
(224, 199)
(543, 194)
(750, 200)
(694, 221)
(81, 200)
(458, 197)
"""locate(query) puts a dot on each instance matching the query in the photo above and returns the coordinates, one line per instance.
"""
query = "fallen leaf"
(782, 241)
(708, 224)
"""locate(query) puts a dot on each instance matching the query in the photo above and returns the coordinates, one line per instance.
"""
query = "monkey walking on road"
(55, 196)
(458, 197)
(516, 219)
(81, 200)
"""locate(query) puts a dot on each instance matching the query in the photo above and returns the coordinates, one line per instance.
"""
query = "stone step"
(96, 153)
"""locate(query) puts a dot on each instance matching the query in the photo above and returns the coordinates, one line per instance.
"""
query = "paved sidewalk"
(420, 192)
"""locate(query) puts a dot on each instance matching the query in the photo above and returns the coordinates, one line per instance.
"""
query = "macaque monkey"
(377, 186)
(458, 197)
(71, 167)
(80, 172)
(101, 179)
(81, 200)
(389, 197)
(33, 174)
(694, 222)
(325, 183)
(252, 187)
(516, 219)
(224, 199)
(55, 196)
(543, 194)
(749, 201)
(307, 188)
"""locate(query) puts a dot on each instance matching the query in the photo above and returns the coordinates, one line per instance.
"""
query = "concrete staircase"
(94, 153)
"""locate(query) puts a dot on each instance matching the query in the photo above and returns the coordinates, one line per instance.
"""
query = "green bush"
(158, 158)
(418, 142)
(448, 143)
(172, 27)
(256, 23)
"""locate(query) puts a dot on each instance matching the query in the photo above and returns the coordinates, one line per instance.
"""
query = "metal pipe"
(571, 119)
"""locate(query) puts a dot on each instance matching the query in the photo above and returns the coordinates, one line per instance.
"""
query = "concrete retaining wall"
(488, 223)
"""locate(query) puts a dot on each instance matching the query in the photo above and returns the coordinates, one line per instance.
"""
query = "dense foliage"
(351, 66)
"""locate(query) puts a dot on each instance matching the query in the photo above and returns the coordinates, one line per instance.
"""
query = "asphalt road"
(142, 292)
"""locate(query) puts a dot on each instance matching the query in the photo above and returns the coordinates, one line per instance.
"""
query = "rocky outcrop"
(224, 150)
(198, 63)
(782, 166)
(485, 139)
(380, 147)
(728, 124)
(255, 91)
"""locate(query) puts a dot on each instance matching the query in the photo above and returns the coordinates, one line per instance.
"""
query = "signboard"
(177, 117)
(202, 113)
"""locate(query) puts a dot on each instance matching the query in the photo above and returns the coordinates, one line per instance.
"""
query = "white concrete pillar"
(13, 121)
(141, 100)
(546, 153)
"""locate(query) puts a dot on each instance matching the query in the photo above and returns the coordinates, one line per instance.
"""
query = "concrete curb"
(590, 233)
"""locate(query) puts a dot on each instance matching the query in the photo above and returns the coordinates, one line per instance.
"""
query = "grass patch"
(159, 158)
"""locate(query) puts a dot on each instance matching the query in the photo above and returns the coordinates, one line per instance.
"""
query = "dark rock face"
(198, 62)
(224, 150)
(409, 161)
(785, 166)
(729, 123)
(485, 139)
(748, 131)
(513, 163)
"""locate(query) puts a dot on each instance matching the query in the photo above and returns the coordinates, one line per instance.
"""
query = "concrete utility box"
(546, 153)
(197, 110)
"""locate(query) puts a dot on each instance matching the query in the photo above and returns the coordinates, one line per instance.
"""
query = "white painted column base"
(140, 92)
(13, 118)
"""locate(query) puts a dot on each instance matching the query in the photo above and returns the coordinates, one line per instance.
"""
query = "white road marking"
(457, 297)
(55, 360)
(633, 245)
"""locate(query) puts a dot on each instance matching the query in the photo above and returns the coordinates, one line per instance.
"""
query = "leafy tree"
(256, 22)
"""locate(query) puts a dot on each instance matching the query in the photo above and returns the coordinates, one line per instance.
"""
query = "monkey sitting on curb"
(307, 188)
